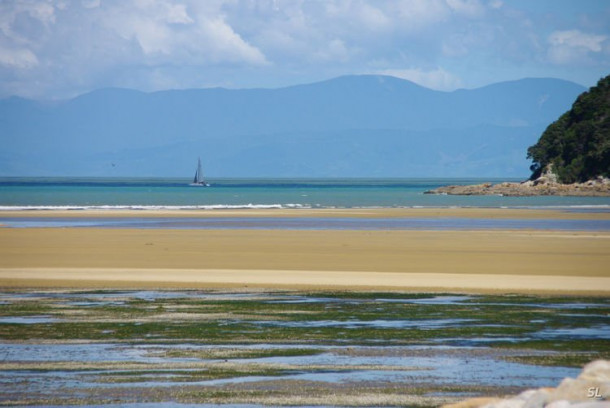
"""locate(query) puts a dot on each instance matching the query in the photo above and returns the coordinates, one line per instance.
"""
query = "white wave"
(149, 207)
(274, 206)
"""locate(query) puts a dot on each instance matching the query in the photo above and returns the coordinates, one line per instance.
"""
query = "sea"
(260, 193)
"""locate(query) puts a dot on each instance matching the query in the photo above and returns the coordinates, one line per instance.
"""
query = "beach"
(316, 307)
(477, 261)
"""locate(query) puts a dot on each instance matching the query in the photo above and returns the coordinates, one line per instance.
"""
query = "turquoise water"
(83, 193)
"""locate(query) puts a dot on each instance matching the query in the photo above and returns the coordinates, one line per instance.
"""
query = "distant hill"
(352, 126)
(576, 147)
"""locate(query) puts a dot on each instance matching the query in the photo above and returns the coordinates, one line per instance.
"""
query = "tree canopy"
(576, 147)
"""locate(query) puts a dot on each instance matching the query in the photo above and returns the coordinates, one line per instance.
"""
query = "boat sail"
(198, 180)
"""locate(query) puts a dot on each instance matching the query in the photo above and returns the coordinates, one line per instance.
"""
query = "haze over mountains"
(352, 126)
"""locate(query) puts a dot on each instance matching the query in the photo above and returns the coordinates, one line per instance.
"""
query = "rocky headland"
(589, 390)
(542, 186)
(571, 158)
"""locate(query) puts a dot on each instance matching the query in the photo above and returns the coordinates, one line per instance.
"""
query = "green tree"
(577, 145)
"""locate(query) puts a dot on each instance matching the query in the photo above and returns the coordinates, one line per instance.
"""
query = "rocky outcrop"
(543, 185)
(591, 389)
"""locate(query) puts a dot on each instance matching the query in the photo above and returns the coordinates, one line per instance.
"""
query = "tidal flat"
(288, 348)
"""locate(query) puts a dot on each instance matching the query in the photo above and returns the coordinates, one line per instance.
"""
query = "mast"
(198, 179)
(199, 174)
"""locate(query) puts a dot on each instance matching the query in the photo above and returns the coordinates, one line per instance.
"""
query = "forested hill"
(576, 147)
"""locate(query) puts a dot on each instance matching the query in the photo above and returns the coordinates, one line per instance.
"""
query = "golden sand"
(304, 280)
(472, 261)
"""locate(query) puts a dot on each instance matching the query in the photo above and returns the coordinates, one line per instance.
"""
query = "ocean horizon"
(81, 193)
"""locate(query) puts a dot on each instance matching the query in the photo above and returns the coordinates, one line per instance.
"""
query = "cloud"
(58, 48)
(177, 14)
(64, 48)
(335, 50)
(23, 27)
(469, 40)
(471, 8)
(418, 14)
(25, 22)
(170, 33)
(496, 4)
(573, 46)
(224, 44)
(438, 78)
(90, 3)
(17, 58)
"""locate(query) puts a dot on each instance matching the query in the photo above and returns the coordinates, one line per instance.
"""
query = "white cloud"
(60, 47)
(373, 18)
(20, 58)
(574, 46)
(154, 37)
(172, 34)
(177, 14)
(225, 44)
(438, 78)
(40, 10)
(87, 4)
(496, 4)
(413, 15)
(577, 39)
(471, 39)
(366, 16)
(25, 22)
(470, 8)
(335, 50)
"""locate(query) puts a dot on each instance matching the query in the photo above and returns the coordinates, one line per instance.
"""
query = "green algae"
(533, 330)
(349, 317)
(183, 376)
(568, 359)
(237, 353)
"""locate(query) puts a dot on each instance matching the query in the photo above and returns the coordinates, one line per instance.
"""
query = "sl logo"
(593, 392)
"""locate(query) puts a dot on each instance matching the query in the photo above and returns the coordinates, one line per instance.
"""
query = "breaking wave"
(150, 207)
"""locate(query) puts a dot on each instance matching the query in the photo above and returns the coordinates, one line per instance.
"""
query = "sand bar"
(522, 261)
(305, 280)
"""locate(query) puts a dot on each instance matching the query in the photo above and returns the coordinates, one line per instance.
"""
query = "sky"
(57, 49)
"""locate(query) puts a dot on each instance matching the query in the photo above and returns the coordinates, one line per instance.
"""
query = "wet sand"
(469, 261)
(89, 278)
(427, 212)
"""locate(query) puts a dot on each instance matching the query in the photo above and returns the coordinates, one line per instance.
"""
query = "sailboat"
(198, 181)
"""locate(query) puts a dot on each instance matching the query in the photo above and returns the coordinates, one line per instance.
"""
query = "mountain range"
(351, 126)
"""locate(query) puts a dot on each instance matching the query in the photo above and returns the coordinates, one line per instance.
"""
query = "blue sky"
(53, 49)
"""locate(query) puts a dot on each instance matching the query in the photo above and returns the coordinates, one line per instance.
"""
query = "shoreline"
(293, 280)
(413, 212)
(543, 186)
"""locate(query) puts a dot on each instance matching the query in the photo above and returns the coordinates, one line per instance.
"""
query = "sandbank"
(469, 261)
(302, 280)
